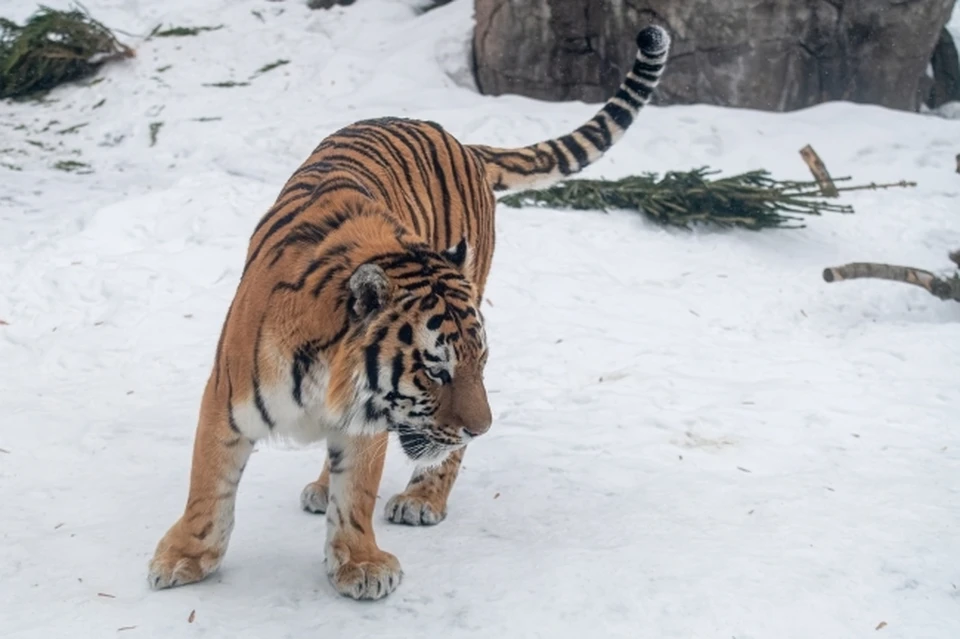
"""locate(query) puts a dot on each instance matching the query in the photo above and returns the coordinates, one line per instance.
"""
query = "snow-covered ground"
(695, 436)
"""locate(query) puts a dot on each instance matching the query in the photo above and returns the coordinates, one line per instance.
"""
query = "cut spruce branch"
(944, 288)
(751, 200)
(51, 48)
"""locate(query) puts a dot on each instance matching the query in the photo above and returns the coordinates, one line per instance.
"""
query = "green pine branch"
(751, 200)
(53, 47)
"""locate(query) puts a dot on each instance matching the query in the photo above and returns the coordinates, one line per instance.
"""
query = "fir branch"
(751, 200)
(51, 48)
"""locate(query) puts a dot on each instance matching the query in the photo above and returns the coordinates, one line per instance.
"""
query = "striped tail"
(552, 160)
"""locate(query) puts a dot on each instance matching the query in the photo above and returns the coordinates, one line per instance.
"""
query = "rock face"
(775, 55)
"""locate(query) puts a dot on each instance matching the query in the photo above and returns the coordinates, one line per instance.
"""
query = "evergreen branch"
(53, 47)
(751, 200)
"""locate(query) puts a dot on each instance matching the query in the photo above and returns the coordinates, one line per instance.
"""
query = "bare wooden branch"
(944, 289)
(873, 186)
(819, 171)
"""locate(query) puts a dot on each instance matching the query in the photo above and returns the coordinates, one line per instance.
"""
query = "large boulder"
(775, 55)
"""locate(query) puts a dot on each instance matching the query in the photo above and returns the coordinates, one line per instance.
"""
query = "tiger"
(357, 315)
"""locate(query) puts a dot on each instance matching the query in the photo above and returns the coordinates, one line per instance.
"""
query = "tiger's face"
(423, 354)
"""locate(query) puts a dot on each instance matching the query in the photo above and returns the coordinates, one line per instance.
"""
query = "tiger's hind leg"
(356, 566)
(424, 501)
(315, 495)
(195, 545)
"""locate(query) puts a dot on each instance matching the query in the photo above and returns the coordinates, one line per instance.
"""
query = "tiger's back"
(358, 314)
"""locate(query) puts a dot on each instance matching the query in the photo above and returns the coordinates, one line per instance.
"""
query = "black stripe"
(649, 78)
(458, 174)
(575, 149)
(335, 457)
(625, 95)
(618, 114)
(441, 177)
(605, 132)
(257, 397)
(562, 162)
(332, 186)
(373, 145)
(308, 233)
(303, 359)
(327, 278)
(429, 302)
(640, 65)
(313, 267)
(592, 137)
(401, 135)
(361, 530)
(405, 334)
(372, 359)
(640, 89)
(387, 139)
(397, 371)
(219, 353)
(357, 166)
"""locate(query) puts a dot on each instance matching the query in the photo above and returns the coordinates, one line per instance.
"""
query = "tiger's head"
(421, 350)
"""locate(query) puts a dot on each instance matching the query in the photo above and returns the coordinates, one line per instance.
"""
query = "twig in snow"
(180, 31)
(269, 67)
(154, 130)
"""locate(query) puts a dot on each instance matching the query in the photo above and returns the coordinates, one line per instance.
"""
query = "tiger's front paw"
(414, 510)
(182, 558)
(364, 574)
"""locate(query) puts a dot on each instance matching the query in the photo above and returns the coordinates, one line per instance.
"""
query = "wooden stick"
(819, 170)
(944, 289)
(873, 186)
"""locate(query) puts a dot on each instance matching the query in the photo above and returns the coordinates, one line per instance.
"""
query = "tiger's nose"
(477, 427)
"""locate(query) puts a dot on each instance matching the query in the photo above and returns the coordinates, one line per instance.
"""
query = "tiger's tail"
(552, 160)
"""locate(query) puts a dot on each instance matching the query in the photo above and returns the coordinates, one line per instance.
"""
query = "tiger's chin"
(424, 451)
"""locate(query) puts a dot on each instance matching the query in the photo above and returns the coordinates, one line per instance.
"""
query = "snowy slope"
(694, 436)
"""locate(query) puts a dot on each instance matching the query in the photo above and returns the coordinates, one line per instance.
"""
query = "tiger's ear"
(369, 289)
(460, 256)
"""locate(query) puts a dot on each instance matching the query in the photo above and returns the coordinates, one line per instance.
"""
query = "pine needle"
(751, 200)
(51, 48)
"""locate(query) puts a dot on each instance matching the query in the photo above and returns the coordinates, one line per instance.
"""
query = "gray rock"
(775, 55)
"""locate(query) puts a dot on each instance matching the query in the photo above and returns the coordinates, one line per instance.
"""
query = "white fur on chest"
(306, 422)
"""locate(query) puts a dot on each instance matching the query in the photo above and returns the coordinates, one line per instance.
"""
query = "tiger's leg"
(424, 502)
(194, 546)
(313, 498)
(355, 565)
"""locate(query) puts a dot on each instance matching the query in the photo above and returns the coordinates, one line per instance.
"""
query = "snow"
(694, 435)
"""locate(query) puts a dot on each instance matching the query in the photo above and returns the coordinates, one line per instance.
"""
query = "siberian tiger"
(357, 315)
